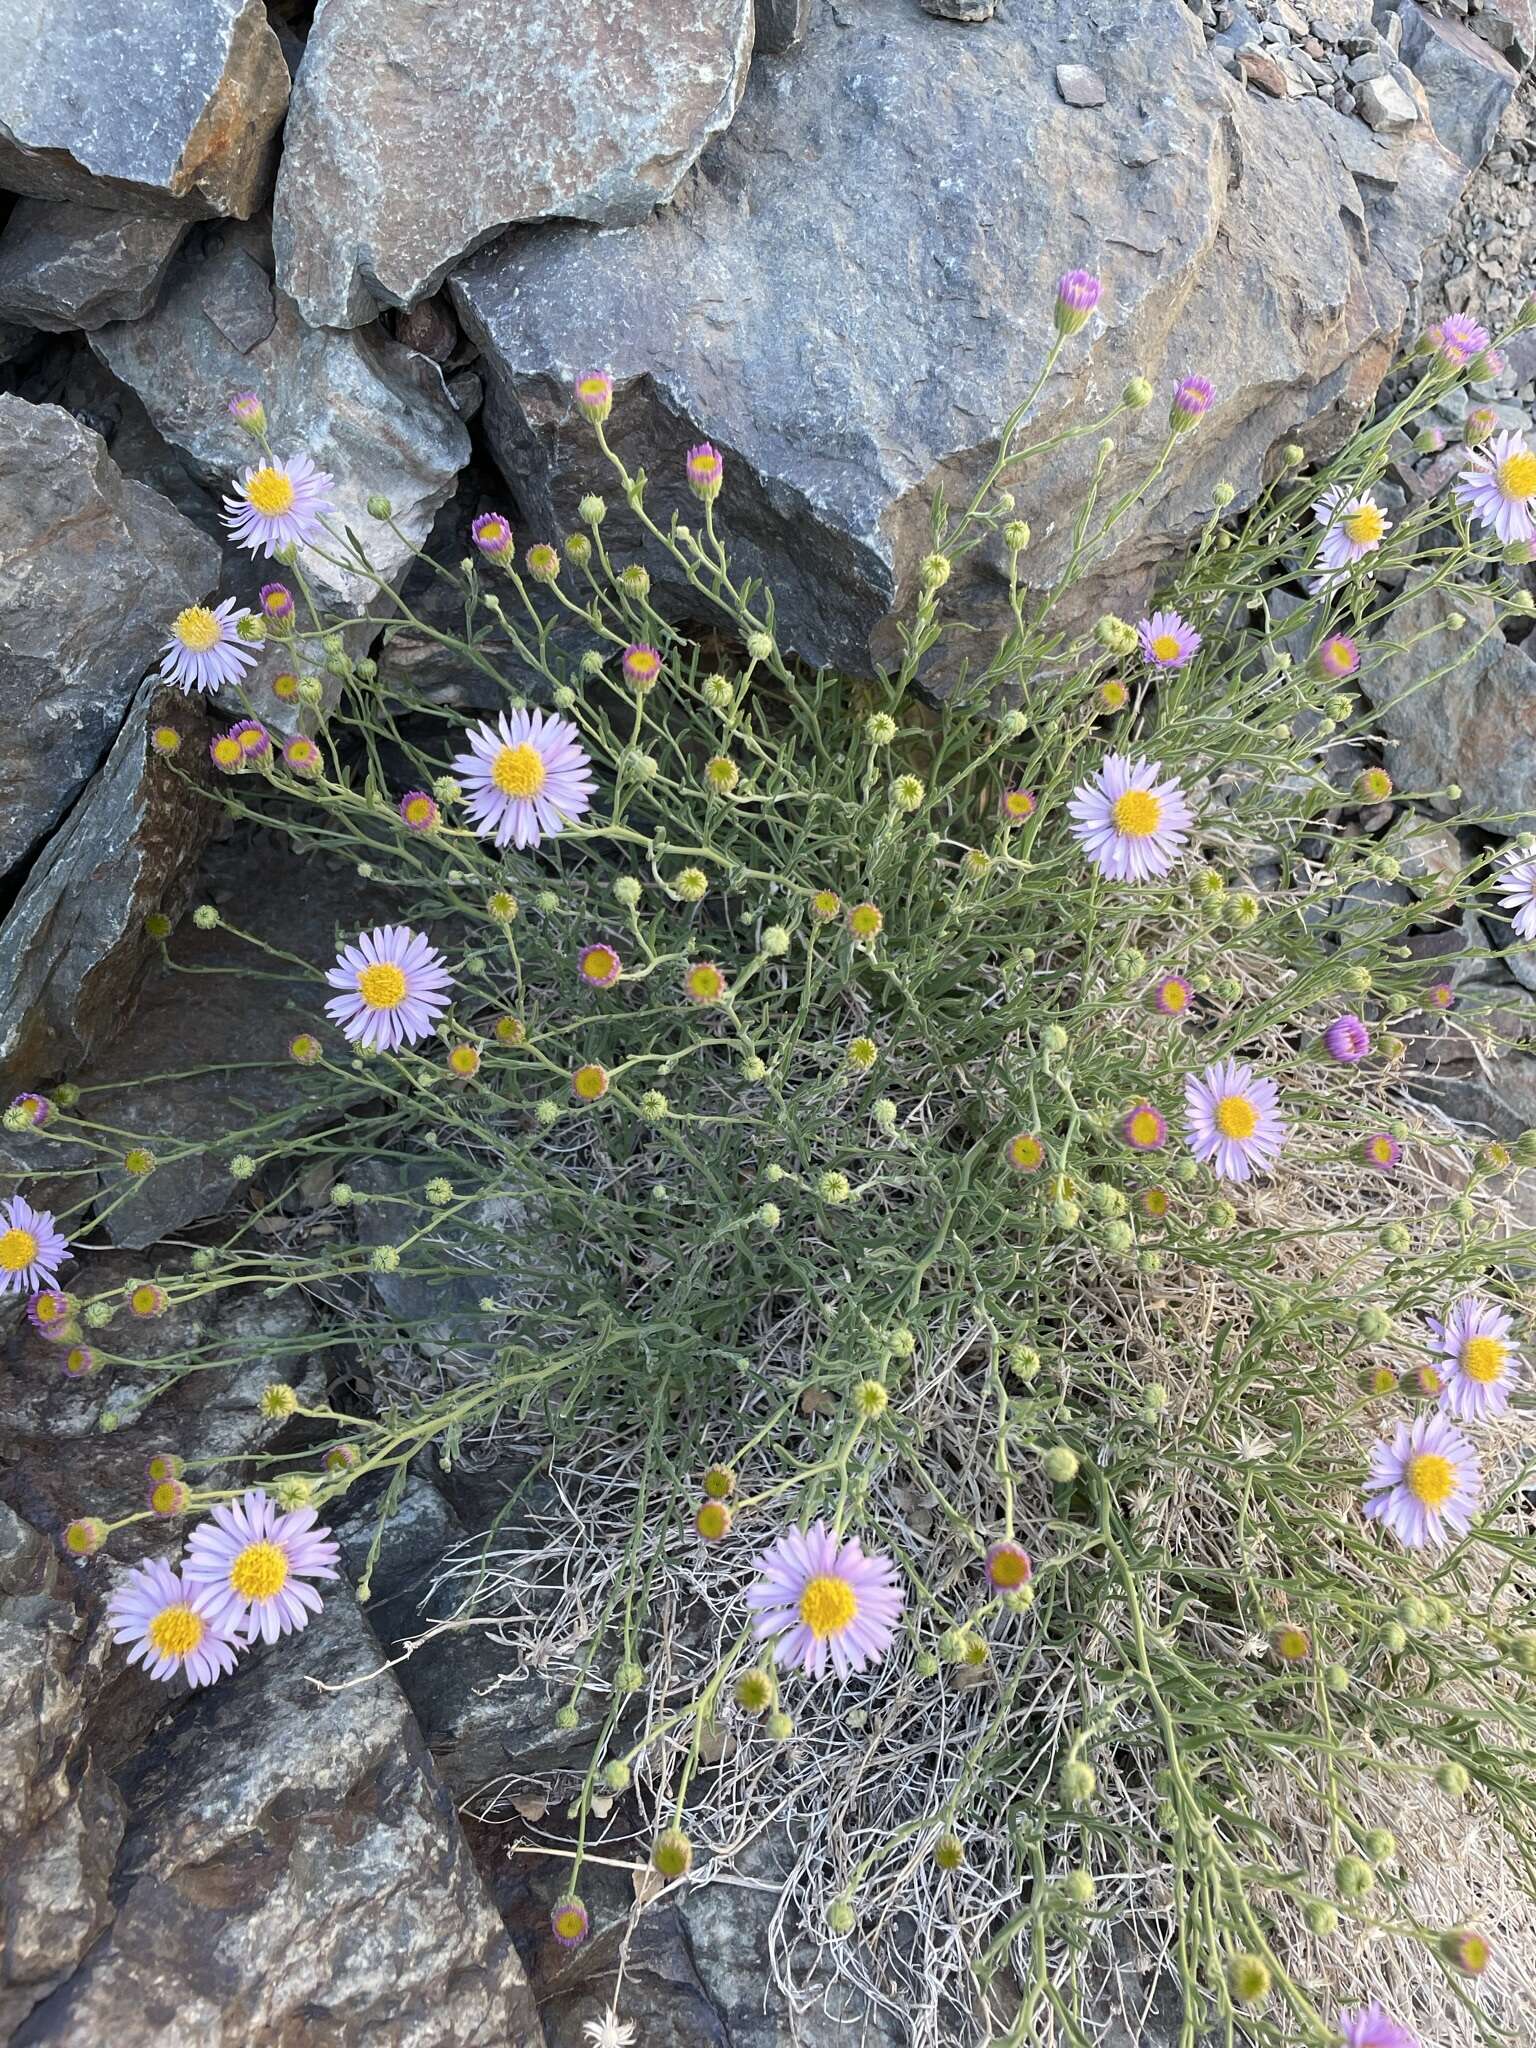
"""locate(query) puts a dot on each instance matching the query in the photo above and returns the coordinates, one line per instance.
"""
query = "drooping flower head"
(1517, 892)
(1144, 1129)
(821, 1598)
(1192, 400)
(706, 472)
(50, 1312)
(599, 966)
(301, 755)
(1167, 641)
(248, 411)
(1131, 823)
(1425, 1484)
(31, 1247)
(392, 984)
(419, 811)
(1338, 657)
(1077, 293)
(1497, 487)
(569, 1923)
(173, 1625)
(493, 537)
(1234, 1119)
(278, 505)
(1380, 1151)
(255, 741)
(205, 651)
(256, 1564)
(594, 394)
(704, 982)
(1460, 339)
(1353, 525)
(1172, 996)
(524, 777)
(641, 666)
(1347, 1040)
(1018, 804)
(1479, 1359)
(34, 1110)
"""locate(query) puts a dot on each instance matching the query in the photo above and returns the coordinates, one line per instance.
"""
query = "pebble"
(1079, 86)
(1385, 107)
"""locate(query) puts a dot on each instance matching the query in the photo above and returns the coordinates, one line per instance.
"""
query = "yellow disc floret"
(381, 985)
(269, 492)
(196, 628)
(1137, 814)
(1365, 525)
(1430, 1478)
(828, 1605)
(1482, 1359)
(1516, 476)
(18, 1248)
(177, 1631)
(519, 771)
(259, 1572)
(1236, 1117)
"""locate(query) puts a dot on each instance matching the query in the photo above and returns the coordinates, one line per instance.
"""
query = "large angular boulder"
(853, 289)
(482, 117)
(73, 945)
(166, 105)
(92, 570)
(64, 265)
(1467, 84)
(293, 1871)
(374, 414)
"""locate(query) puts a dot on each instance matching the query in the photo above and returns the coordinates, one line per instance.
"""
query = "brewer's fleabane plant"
(914, 1181)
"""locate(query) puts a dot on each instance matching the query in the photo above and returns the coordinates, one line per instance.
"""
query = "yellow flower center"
(828, 1605)
(1482, 1359)
(177, 1631)
(464, 1060)
(1365, 525)
(1174, 996)
(260, 1571)
(18, 1248)
(196, 628)
(1137, 814)
(590, 1082)
(1010, 1568)
(419, 810)
(1430, 1478)
(1236, 1117)
(1155, 1202)
(705, 982)
(519, 771)
(1381, 1151)
(1026, 1151)
(570, 1921)
(1144, 1127)
(1516, 476)
(1165, 646)
(270, 492)
(865, 920)
(382, 986)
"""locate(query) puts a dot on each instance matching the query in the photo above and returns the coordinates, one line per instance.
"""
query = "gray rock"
(1386, 107)
(1459, 708)
(166, 105)
(294, 1871)
(92, 570)
(1079, 86)
(1363, 69)
(65, 265)
(759, 310)
(780, 25)
(1467, 85)
(392, 171)
(369, 411)
(960, 10)
(73, 946)
(61, 1818)
(1509, 26)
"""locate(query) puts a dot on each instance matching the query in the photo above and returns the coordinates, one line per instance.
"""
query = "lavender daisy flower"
(255, 1563)
(419, 812)
(1167, 641)
(1017, 805)
(1380, 1151)
(569, 1922)
(392, 984)
(1347, 1040)
(493, 537)
(524, 777)
(1353, 525)
(1425, 1482)
(1234, 1119)
(1338, 656)
(50, 1312)
(1517, 892)
(641, 666)
(1144, 1128)
(824, 1598)
(255, 741)
(1479, 1359)
(277, 604)
(1132, 825)
(1077, 293)
(278, 505)
(1497, 487)
(204, 651)
(1172, 996)
(1459, 339)
(37, 1110)
(594, 394)
(1192, 399)
(1372, 2026)
(172, 1625)
(706, 472)
(31, 1247)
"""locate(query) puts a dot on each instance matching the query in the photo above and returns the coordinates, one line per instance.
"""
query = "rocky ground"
(830, 235)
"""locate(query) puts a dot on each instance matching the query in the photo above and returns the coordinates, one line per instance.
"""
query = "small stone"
(239, 301)
(1384, 106)
(1364, 69)
(961, 10)
(1265, 72)
(1079, 86)
(430, 329)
